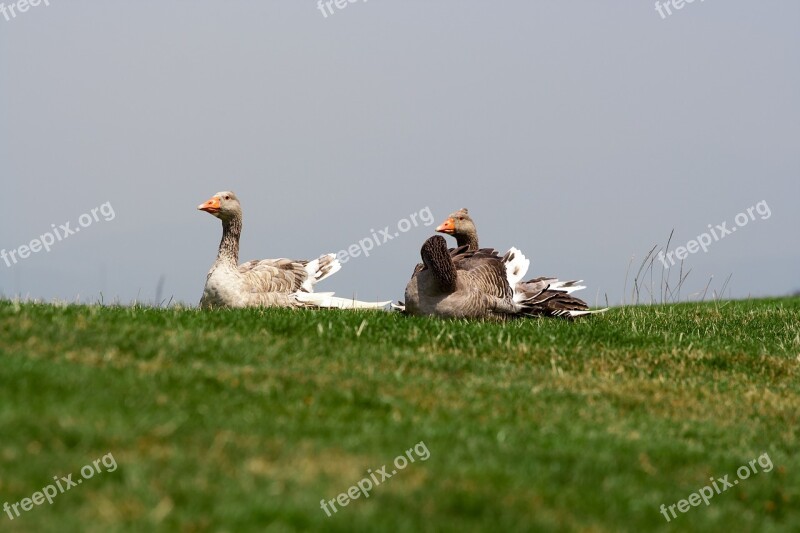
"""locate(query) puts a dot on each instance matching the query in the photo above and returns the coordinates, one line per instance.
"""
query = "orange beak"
(211, 206)
(448, 226)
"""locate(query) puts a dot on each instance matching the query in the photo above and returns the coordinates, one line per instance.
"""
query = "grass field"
(244, 420)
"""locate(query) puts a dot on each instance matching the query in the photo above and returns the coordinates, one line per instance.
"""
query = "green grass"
(244, 420)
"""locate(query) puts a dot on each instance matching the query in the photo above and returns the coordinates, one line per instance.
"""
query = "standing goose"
(546, 296)
(268, 282)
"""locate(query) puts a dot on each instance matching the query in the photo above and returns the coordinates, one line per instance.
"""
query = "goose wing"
(550, 297)
(274, 275)
(287, 275)
(485, 272)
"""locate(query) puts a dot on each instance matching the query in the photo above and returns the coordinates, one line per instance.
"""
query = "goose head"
(223, 205)
(460, 226)
(458, 223)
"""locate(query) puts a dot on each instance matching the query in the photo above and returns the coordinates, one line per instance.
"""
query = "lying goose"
(546, 296)
(460, 283)
(268, 282)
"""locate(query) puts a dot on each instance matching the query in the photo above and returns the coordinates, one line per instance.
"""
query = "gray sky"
(581, 132)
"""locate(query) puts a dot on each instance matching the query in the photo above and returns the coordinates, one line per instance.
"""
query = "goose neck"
(229, 245)
(469, 238)
(438, 260)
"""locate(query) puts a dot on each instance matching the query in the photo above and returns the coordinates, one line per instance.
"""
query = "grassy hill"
(244, 420)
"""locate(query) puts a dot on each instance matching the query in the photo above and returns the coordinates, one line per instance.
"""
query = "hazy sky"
(581, 132)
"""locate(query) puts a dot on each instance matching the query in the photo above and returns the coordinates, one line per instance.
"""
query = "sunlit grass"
(242, 420)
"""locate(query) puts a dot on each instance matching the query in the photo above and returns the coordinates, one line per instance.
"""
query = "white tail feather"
(581, 313)
(559, 286)
(517, 267)
(315, 275)
(328, 300)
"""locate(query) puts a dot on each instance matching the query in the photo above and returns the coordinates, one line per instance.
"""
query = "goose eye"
(227, 197)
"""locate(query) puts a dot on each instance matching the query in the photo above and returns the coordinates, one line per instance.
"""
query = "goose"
(463, 283)
(547, 296)
(266, 282)
(460, 283)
